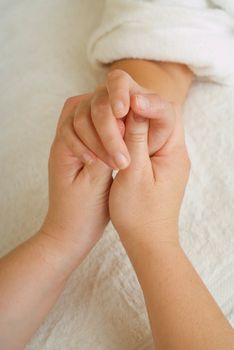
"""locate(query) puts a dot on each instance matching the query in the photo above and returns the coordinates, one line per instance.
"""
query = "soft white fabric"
(43, 61)
(197, 33)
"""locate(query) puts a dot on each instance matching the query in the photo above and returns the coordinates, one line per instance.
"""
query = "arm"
(182, 312)
(33, 275)
(171, 81)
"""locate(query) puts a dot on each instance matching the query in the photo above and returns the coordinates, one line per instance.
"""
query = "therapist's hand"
(146, 197)
(78, 192)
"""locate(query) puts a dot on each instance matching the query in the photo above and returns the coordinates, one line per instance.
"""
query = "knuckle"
(63, 133)
(79, 120)
(70, 101)
(137, 137)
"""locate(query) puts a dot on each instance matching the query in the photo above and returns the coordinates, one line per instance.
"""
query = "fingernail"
(118, 107)
(142, 102)
(88, 159)
(121, 161)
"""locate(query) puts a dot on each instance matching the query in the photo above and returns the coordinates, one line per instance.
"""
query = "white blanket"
(43, 61)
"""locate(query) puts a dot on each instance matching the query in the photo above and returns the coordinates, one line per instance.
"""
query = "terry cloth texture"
(198, 33)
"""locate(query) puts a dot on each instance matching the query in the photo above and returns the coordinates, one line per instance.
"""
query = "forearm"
(32, 277)
(169, 80)
(182, 312)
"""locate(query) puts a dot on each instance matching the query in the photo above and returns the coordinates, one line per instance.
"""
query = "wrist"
(166, 234)
(60, 255)
(73, 239)
(169, 80)
(143, 253)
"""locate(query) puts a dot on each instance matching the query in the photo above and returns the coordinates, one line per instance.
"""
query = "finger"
(161, 127)
(69, 106)
(108, 130)
(120, 85)
(148, 105)
(63, 166)
(136, 138)
(121, 127)
(73, 143)
(162, 115)
(85, 130)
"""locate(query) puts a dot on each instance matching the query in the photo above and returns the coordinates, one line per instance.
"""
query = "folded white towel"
(193, 32)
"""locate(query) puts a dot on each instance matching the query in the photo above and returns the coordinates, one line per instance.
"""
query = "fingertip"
(121, 160)
(120, 108)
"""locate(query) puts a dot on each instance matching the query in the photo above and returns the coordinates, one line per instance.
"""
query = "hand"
(78, 192)
(98, 121)
(146, 197)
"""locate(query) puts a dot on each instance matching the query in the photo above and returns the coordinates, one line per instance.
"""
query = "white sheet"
(43, 60)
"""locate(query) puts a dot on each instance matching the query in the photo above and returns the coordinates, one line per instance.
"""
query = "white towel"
(193, 32)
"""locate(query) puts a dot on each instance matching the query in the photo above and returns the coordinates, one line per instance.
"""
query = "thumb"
(136, 139)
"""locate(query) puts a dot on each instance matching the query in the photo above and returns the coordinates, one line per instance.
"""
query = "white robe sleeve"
(190, 32)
